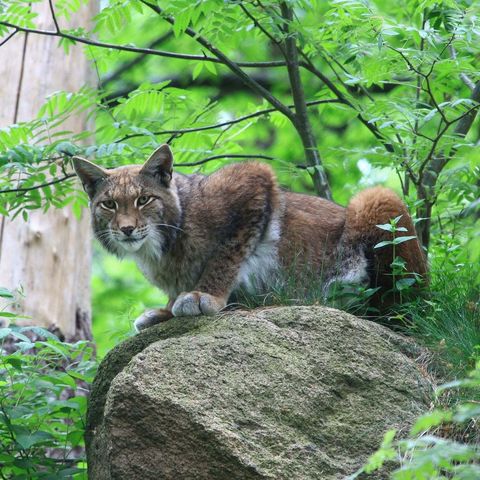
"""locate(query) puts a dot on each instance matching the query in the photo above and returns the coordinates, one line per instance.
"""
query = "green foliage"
(397, 65)
(424, 455)
(447, 320)
(42, 404)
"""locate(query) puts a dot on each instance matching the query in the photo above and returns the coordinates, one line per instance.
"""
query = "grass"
(307, 287)
(447, 320)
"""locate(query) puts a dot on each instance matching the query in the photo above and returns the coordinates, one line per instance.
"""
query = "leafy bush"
(426, 456)
(42, 404)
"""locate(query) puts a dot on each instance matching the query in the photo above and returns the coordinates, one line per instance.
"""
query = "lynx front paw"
(152, 317)
(197, 303)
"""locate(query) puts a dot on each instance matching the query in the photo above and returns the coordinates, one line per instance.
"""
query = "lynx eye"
(143, 200)
(109, 204)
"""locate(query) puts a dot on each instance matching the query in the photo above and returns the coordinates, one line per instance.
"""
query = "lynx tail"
(377, 206)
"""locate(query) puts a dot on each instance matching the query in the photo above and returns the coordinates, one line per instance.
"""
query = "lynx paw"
(152, 317)
(197, 303)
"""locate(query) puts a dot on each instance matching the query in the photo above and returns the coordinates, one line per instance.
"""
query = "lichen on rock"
(280, 393)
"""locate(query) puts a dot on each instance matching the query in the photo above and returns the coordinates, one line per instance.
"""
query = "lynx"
(201, 238)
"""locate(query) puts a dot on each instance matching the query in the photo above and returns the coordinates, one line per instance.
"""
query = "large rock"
(281, 393)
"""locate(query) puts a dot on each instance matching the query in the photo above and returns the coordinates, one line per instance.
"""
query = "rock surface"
(281, 393)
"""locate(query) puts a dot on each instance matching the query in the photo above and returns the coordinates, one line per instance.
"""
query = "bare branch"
(52, 11)
(8, 37)
(464, 122)
(147, 51)
(36, 187)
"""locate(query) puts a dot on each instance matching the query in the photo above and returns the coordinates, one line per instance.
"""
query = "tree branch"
(54, 17)
(147, 51)
(8, 37)
(433, 166)
(223, 124)
(36, 187)
(343, 99)
(233, 66)
(137, 60)
(262, 29)
(463, 76)
(301, 120)
(217, 157)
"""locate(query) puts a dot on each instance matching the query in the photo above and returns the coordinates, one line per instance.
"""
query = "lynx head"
(134, 208)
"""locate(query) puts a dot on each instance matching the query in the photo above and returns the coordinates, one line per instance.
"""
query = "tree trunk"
(48, 256)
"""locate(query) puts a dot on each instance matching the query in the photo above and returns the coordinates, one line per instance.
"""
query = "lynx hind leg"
(152, 317)
(373, 207)
(197, 303)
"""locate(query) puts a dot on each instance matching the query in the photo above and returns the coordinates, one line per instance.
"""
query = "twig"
(8, 37)
(262, 29)
(343, 99)
(52, 11)
(36, 187)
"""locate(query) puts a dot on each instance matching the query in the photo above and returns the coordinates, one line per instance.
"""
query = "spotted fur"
(199, 238)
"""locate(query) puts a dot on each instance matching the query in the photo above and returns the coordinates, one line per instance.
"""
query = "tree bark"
(49, 255)
(301, 121)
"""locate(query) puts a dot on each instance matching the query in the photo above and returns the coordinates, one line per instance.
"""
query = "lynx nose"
(127, 230)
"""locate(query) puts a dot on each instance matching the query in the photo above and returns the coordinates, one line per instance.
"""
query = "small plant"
(402, 280)
(42, 404)
(426, 456)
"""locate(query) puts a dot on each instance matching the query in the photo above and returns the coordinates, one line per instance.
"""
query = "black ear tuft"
(90, 175)
(160, 165)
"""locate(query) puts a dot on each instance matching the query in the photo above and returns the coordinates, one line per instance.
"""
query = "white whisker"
(167, 225)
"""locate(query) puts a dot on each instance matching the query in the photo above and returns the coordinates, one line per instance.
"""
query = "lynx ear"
(160, 164)
(90, 175)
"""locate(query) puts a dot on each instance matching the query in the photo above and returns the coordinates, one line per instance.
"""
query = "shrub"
(42, 404)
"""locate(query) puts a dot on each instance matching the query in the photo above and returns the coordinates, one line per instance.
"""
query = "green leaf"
(27, 440)
(430, 420)
(387, 227)
(398, 240)
(4, 332)
(383, 244)
(404, 283)
(40, 331)
(197, 70)
(5, 293)
(15, 362)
